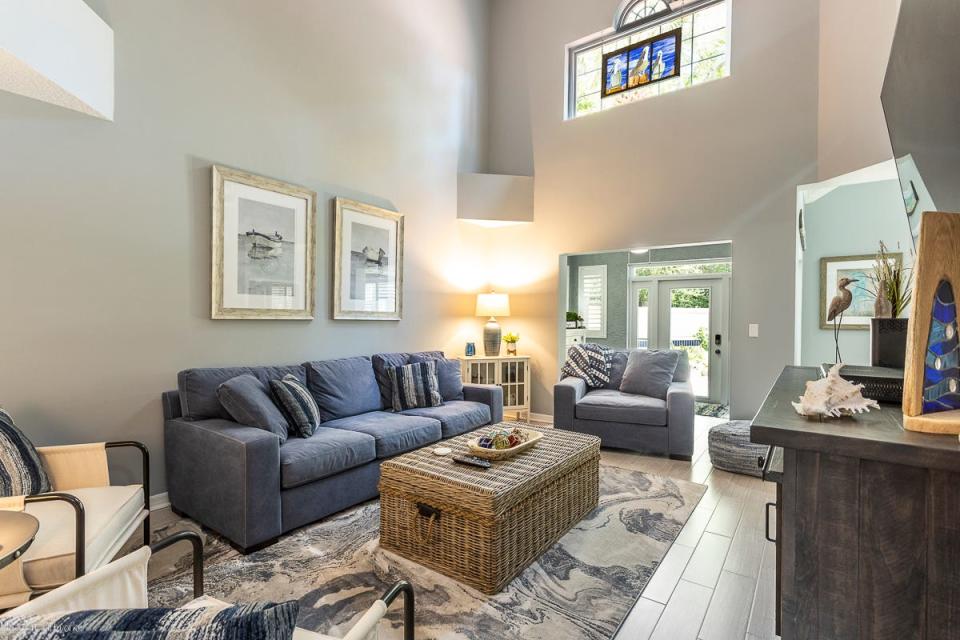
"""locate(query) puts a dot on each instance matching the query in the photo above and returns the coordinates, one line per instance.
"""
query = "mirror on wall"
(921, 101)
(844, 222)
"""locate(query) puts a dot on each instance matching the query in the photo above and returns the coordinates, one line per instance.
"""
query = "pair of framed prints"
(265, 253)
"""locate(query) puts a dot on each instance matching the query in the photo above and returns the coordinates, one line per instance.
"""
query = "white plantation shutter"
(592, 297)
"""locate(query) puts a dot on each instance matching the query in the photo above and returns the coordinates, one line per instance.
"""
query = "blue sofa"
(628, 421)
(243, 483)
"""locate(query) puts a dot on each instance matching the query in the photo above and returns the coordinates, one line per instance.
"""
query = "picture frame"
(857, 316)
(641, 63)
(368, 262)
(263, 248)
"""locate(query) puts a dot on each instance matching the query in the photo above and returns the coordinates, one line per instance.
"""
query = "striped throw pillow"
(415, 386)
(591, 362)
(21, 472)
(297, 405)
(256, 621)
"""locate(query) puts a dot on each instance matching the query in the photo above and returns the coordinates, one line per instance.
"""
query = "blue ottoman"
(731, 450)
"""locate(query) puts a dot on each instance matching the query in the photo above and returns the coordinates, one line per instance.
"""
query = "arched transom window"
(654, 47)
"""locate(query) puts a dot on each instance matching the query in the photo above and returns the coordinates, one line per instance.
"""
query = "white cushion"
(298, 633)
(112, 515)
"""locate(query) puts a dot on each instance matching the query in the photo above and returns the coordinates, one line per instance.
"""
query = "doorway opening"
(674, 297)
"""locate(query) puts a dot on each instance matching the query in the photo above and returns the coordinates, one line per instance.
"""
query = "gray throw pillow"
(649, 373)
(297, 404)
(248, 402)
(448, 375)
(682, 374)
(21, 471)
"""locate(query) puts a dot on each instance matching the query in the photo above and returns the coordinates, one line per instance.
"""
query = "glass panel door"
(641, 322)
(689, 318)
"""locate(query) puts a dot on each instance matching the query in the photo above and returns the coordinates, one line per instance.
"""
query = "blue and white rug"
(581, 588)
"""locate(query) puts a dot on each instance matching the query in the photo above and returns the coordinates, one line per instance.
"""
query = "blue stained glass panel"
(941, 371)
(664, 58)
(616, 72)
(639, 66)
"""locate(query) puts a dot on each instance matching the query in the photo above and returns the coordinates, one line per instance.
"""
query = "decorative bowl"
(533, 437)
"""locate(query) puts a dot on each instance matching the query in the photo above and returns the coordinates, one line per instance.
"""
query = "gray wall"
(617, 292)
(728, 157)
(106, 226)
(848, 221)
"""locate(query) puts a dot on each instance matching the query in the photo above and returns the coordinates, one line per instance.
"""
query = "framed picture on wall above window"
(858, 272)
(264, 263)
(642, 63)
(368, 262)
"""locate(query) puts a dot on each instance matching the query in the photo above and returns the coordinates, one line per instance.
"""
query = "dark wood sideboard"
(868, 522)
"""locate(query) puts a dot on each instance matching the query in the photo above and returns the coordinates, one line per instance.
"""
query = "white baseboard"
(159, 501)
(541, 417)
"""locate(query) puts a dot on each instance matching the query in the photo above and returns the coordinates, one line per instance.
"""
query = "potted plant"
(511, 339)
(573, 320)
(890, 283)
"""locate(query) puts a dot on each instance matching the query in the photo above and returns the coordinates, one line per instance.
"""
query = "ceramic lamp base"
(491, 338)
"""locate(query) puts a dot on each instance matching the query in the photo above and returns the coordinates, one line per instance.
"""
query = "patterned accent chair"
(84, 521)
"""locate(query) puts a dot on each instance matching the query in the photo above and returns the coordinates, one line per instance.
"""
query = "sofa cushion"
(608, 405)
(455, 417)
(394, 433)
(345, 387)
(682, 374)
(112, 514)
(21, 471)
(248, 401)
(649, 372)
(298, 405)
(325, 453)
(198, 387)
(415, 386)
(448, 375)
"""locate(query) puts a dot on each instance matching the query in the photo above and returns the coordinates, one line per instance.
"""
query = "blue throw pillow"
(257, 621)
(21, 472)
(297, 404)
(248, 401)
(415, 386)
(449, 378)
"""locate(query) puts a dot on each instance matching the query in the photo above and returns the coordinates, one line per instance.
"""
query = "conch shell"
(833, 397)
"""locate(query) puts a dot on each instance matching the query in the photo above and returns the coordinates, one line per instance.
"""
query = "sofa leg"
(676, 456)
(253, 548)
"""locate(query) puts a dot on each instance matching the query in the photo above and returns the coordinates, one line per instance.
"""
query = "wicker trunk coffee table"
(483, 527)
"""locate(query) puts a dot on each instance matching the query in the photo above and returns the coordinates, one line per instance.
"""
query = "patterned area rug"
(581, 588)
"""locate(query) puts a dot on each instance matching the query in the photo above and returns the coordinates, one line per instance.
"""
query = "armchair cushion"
(649, 372)
(607, 405)
(21, 472)
(76, 466)
(112, 516)
(248, 401)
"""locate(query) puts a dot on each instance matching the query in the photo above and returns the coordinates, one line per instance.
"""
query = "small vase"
(882, 308)
(511, 348)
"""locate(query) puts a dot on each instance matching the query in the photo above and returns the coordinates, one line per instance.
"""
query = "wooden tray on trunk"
(533, 437)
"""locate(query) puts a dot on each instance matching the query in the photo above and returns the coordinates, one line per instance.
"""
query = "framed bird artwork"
(846, 291)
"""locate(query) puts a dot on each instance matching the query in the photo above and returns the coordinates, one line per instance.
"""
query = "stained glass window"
(704, 51)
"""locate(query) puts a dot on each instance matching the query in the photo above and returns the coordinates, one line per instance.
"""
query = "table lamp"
(492, 305)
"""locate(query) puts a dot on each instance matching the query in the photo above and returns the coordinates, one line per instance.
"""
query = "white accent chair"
(122, 584)
(84, 521)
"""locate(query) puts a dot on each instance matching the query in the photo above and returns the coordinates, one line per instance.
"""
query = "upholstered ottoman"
(731, 450)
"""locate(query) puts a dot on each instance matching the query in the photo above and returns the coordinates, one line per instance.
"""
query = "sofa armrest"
(490, 395)
(226, 476)
(566, 394)
(681, 408)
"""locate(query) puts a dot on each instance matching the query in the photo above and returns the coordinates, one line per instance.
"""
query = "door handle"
(717, 351)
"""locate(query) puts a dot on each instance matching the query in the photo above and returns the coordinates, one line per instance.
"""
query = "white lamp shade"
(492, 305)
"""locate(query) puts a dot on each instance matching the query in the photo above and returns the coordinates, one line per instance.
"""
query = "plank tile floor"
(717, 580)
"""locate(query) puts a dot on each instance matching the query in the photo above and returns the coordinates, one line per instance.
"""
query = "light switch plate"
(753, 330)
